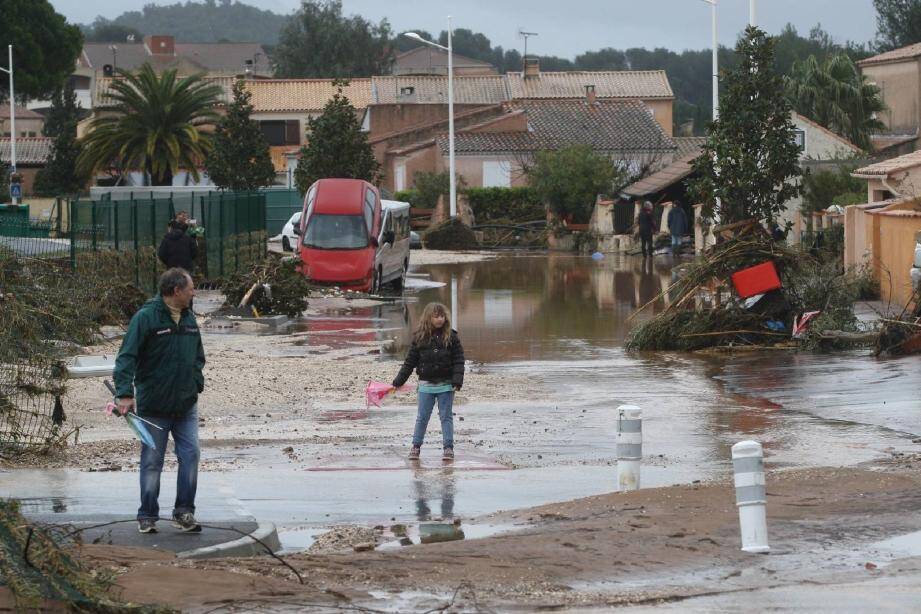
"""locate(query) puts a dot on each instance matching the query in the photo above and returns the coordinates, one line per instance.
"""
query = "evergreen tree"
(750, 160)
(336, 146)
(319, 41)
(240, 157)
(4, 183)
(898, 23)
(60, 174)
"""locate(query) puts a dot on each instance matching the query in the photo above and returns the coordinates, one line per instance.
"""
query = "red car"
(339, 229)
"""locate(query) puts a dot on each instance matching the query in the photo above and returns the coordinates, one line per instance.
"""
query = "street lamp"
(716, 74)
(453, 180)
(9, 71)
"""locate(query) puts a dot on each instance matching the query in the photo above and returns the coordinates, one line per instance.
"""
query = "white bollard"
(629, 446)
(748, 467)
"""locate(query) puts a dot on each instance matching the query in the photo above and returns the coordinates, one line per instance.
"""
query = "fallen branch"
(842, 335)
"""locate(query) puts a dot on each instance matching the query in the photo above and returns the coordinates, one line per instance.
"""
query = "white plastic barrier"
(91, 366)
(751, 499)
(629, 446)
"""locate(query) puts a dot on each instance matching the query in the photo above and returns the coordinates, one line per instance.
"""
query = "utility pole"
(751, 14)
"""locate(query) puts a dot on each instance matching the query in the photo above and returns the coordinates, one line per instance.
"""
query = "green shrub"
(410, 196)
(505, 204)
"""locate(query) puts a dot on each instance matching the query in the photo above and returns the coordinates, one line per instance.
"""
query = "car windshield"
(336, 232)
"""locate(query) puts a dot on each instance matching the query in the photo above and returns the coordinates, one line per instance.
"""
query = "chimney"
(531, 67)
(590, 94)
(160, 44)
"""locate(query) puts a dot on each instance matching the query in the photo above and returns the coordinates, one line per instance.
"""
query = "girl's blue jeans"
(426, 404)
(185, 438)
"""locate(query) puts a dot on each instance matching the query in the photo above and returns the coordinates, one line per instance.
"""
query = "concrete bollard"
(748, 467)
(629, 446)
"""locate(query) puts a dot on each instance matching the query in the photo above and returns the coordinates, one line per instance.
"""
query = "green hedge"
(410, 196)
(506, 204)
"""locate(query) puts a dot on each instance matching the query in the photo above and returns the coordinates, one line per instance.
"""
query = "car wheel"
(375, 282)
(400, 282)
(285, 244)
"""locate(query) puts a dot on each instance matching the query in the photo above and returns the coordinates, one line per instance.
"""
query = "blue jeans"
(676, 244)
(426, 404)
(185, 439)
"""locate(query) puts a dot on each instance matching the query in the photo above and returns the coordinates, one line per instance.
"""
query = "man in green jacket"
(158, 372)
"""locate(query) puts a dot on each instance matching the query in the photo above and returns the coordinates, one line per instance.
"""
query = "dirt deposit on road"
(639, 547)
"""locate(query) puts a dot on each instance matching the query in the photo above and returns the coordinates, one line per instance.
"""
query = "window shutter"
(292, 132)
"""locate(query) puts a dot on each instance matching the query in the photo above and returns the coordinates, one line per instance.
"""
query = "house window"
(799, 137)
(281, 132)
(497, 174)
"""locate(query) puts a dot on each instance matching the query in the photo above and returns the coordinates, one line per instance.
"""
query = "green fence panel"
(280, 205)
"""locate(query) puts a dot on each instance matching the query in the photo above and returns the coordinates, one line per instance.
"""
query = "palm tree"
(156, 126)
(834, 94)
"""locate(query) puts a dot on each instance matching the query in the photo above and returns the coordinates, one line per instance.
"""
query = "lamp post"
(453, 180)
(9, 71)
(715, 62)
(751, 14)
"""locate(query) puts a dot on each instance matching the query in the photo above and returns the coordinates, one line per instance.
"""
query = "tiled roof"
(304, 94)
(688, 149)
(29, 150)
(885, 141)
(902, 53)
(21, 113)
(429, 57)
(212, 57)
(485, 89)
(887, 167)
(608, 84)
(689, 144)
(607, 126)
(104, 85)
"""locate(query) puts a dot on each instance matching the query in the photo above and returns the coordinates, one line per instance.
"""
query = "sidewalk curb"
(244, 546)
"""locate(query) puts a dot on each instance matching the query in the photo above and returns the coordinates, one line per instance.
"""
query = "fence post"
(73, 235)
(93, 223)
(115, 220)
(153, 237)
(136, 241)
(236, 232)
(220, 213)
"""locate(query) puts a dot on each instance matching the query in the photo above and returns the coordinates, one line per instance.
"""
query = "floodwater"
(562, 320)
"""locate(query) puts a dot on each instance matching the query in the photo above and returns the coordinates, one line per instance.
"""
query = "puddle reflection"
(429, 486)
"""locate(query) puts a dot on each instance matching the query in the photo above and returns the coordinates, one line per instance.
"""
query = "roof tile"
(607, 126)
(431, 89)
(902, 53)
(608, 84)
(29, 150)
(887, 167)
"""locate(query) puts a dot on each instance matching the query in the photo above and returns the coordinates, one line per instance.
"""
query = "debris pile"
(274, 286)
(901, 335)
(40, 573)
(717, 301)
(452, 234)
(50, 310)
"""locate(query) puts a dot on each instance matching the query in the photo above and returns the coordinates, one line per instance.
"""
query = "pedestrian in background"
(646, 228)
(178, 249)
(677, 226)
(437, 356)
(158, 372)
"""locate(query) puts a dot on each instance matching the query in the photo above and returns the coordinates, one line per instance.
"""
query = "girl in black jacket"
(437, 356)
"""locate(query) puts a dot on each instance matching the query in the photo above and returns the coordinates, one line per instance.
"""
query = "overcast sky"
(568, 27)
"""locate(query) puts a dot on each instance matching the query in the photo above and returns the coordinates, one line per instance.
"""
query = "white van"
(392, 260)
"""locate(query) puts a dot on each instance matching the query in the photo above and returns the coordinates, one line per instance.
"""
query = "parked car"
(415, 241)
(288, 238)
(349, 238)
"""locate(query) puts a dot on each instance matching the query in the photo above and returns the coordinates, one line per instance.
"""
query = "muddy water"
(562, 320)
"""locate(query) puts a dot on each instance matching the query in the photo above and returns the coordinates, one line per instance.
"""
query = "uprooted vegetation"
(274, 286)
(38, 568)
(51, 308)
(702, 312)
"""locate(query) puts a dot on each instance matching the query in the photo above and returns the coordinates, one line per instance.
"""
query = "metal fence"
(280, 205)
(233, 226)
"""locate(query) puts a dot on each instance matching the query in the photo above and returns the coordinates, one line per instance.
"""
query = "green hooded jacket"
(160, 362)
